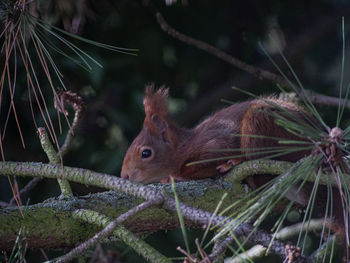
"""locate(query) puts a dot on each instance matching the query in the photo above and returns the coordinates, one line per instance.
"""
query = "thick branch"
(89, 177)
(51, 224)
(197, 216)
(149, 193)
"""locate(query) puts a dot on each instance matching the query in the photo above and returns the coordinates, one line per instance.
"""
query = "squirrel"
(163, 149)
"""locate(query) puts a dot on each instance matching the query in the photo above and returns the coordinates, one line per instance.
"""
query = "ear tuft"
(160, 127)
(155, 101)
(156, 109)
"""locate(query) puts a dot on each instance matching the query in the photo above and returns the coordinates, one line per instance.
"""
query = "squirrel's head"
(150, 157)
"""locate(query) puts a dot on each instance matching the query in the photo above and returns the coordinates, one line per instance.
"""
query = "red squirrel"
(163, 149)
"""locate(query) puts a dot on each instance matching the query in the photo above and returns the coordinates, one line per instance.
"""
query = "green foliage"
(259, 204)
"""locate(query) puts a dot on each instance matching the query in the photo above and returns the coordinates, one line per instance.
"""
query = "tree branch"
(126, 236)
(257, 72)
(285, 233)
(77, 104)
(66, 190)
(108, 230)
(305, 40)
(145, 192)
(25, 190)
(55, 223)
(159, 193)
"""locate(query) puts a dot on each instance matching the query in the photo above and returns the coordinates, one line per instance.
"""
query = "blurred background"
(308, 32)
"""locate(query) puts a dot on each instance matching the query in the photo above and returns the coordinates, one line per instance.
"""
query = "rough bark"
(50, 224)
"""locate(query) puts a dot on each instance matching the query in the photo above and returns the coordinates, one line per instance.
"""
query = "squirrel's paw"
(223, 168)
(167, 180)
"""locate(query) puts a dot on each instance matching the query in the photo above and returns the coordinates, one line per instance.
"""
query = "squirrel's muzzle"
(124, 175)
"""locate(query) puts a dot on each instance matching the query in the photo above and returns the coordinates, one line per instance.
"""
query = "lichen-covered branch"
(190, 212)
(66, 190)
(254, 253)
(289, 232)
(220, 247)
(53, 223)
(89, 177)
(126, 236)
(286, 233)
(78, 175)
(197, 216)
(272, 167)
(107, 230)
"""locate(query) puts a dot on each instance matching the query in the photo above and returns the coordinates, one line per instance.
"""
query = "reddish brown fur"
(257, 120)
(155, 102)
(173, 148)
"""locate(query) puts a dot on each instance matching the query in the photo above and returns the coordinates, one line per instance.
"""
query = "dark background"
(310, 31)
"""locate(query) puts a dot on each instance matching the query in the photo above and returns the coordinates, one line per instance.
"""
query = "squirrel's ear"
(155, 101)
(160, 126)
(156, 109)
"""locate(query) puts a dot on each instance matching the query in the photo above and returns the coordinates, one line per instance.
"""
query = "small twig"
(189, 257)
(25, 190)
(43, 253)
(257, 72)
(66, 190)
(54, 157)
(202, 252)
(108, 230)
(321, 99)
(77, 103)
(47, 147)
(16, 196)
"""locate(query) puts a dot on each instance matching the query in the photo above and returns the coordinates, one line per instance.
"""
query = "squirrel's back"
(234, 127)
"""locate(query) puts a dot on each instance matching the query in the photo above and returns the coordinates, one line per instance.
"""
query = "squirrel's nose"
(125, 176)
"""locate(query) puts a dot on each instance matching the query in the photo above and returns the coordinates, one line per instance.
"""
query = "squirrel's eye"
(146, 153)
